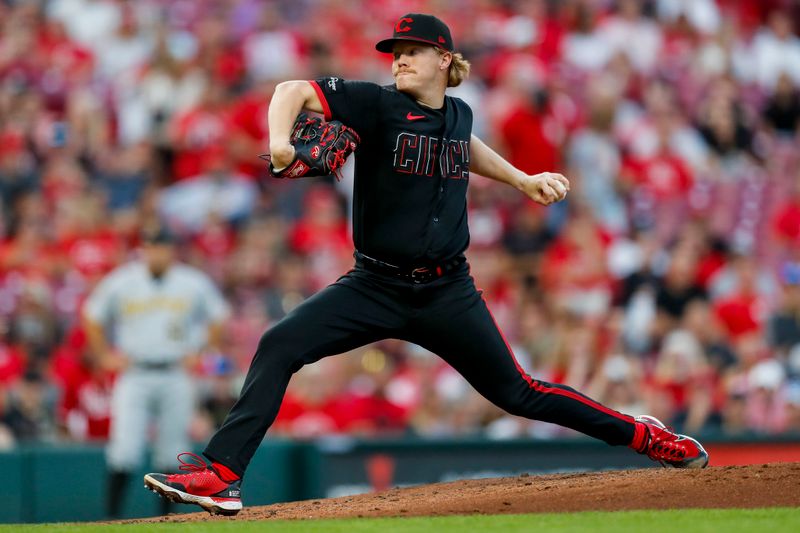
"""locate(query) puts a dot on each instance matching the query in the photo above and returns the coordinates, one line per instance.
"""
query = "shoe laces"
(195, 466)
(664, 444)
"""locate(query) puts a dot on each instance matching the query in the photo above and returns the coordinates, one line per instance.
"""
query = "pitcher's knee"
(282, 346)
(514, 404)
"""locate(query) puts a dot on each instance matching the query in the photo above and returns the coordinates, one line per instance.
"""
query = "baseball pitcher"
(415, 153)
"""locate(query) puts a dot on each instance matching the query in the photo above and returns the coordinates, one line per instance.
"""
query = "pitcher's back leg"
(460, 328)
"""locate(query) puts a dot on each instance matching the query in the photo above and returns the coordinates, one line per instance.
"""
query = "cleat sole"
(226, 508)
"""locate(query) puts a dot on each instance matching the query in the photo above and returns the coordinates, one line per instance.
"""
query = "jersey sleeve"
(354, 103)
(214, 306)
(99, 306)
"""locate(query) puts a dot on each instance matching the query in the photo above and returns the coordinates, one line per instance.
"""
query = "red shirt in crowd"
(787, 221)
(12, 364)
(322, 227)
(522, 129)
(575, 261)
(85, 404)
(197, 132)
(738, 314)
(248, 120)
(92, 255)
(346, 413)
(709, 264)
(302, 419)
(664, 175)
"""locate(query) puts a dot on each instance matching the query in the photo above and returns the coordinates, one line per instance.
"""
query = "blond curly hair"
(459, 68)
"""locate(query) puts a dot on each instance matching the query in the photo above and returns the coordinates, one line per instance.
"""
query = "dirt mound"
(769, 485)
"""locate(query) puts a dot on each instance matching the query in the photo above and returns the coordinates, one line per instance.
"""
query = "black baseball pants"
(447, 316)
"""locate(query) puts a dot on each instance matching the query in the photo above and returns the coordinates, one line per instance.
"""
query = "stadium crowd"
(668, 283)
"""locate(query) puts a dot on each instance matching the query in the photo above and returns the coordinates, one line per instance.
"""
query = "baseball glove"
(320, 148)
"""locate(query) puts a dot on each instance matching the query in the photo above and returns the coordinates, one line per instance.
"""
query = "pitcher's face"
(416, 66)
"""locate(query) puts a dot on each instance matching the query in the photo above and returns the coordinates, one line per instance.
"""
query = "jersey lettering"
(137, 306)
(417, 154)
(456, 160)
(427, 148)
(406, 154)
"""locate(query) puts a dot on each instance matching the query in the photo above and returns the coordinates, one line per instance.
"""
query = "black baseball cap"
(421, 28)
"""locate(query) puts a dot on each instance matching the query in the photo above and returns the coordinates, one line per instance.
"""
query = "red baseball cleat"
(671, 449)
(201, 486)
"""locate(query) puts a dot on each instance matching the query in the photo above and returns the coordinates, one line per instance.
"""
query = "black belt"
(419, 274)
(155, 365)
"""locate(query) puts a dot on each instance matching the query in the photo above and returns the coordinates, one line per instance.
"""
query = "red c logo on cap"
(399, 28)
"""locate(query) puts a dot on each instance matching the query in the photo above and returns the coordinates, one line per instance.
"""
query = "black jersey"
(411, 171)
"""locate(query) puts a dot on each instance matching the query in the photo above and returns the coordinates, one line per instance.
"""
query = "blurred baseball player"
(148, 320)
(411, 280)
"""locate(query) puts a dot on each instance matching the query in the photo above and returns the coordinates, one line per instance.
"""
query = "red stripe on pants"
(538, 387)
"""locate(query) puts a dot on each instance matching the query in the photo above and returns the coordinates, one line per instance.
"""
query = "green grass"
(688, 520)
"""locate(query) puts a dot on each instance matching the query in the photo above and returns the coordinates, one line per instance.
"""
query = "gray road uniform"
(155, 323)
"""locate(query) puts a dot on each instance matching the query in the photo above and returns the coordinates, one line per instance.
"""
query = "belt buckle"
(420, 275)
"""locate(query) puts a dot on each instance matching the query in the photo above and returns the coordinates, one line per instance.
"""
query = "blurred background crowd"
(668, 283)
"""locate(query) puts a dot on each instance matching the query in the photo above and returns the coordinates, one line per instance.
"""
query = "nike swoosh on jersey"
(414, 117)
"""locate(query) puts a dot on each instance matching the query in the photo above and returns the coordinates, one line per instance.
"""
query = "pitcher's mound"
(769, 485)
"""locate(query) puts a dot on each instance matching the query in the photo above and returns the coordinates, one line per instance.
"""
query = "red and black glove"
(320, 148)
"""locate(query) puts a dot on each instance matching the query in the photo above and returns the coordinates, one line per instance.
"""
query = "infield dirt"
(768, 485)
